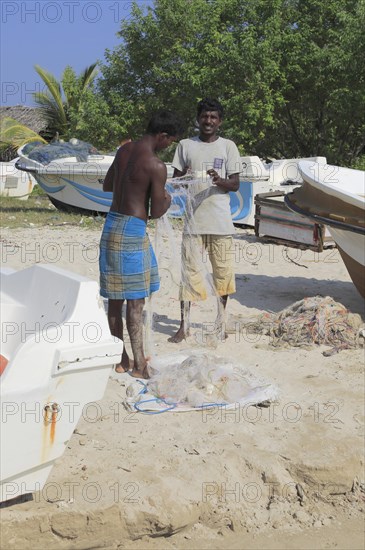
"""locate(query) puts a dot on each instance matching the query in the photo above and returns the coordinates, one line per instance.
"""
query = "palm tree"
(62, 101)
(62, 106)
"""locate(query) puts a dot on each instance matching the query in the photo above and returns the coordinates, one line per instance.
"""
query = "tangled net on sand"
(199, 380)
(315, 320)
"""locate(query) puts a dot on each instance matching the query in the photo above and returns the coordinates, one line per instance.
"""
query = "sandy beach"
(290, 475)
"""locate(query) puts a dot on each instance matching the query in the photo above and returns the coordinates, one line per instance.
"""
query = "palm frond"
(14, 134)
(50, 110)
(53, 87)
(88, 76)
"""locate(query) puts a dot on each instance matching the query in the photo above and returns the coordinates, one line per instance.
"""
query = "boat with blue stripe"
(72, 175)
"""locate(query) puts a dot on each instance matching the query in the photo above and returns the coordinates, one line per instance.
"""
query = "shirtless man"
(128, 267)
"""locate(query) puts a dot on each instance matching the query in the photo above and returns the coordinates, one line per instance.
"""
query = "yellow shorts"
(197, 282)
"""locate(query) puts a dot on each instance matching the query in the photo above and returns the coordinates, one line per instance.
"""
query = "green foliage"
(13, 135)
(359, 163)
(290, 74)
(92, 122)
(324, 81)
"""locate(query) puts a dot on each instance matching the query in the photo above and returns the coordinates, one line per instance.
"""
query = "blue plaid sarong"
(127, 262)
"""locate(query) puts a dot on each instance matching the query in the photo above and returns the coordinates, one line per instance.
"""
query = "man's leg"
(221, 254)
(182, 333)
(224, 300)
(116, 328)
(192, 281)
(135, 331)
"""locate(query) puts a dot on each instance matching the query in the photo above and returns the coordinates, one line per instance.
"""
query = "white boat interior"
(58, 354)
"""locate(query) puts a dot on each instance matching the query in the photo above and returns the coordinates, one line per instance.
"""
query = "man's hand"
(216, 179)
(230, 184)
(168, 199)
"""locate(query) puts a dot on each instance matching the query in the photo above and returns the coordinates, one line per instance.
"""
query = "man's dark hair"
(210, 104)
(165, 121)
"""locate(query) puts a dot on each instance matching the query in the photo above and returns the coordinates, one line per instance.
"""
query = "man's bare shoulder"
(138, 157)
(156, 166)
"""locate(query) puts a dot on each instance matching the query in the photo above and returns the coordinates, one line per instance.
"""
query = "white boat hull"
(344, 184)
(68, 194)
(60, 353)
(72, 185)
(352, 250)
(15, 183)
(335, 196)
(353, 244)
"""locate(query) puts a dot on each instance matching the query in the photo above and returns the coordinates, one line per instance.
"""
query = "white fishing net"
(187, 193)
(201, 379)
(196, 380)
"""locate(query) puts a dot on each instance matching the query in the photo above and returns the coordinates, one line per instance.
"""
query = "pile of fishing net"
(315, 320)
(198, 380)
(45, 154)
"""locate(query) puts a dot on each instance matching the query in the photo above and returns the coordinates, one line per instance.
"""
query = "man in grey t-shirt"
(217, 162)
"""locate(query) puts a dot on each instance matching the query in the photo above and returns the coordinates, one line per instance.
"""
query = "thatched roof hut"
(29, 116)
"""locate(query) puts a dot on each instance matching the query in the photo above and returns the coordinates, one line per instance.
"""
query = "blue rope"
(160, 400)
(144, 389)
(136, 406)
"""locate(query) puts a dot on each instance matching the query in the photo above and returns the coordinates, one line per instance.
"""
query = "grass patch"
(38, 211)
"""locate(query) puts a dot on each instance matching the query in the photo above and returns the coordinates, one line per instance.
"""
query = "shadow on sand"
(265, 293)
(276, 293)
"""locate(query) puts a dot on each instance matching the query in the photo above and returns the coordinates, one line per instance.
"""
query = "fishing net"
(314, 320)
(187, 193)
(196, 380)
(44, 154)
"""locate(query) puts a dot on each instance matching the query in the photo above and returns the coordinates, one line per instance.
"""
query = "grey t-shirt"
(212, 212)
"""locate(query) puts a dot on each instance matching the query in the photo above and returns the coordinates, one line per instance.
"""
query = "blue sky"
(53, 34)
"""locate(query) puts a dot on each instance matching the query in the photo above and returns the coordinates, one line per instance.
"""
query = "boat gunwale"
(56, 170)
(323, 219)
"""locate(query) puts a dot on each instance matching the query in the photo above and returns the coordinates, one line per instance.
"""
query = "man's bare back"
(137, 176)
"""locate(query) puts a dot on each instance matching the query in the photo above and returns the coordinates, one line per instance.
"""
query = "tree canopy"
(289, 73)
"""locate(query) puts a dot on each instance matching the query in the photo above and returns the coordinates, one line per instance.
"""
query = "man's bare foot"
(124, 366)
(141, 372)
(120, 368)
(179, 336)
(136, 373)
